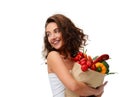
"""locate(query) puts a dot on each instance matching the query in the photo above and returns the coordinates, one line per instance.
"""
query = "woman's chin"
(57, 47)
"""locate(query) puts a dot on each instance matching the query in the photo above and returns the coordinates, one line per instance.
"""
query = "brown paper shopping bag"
(90, 77)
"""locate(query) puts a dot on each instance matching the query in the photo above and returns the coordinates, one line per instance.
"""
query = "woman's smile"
(55, 41)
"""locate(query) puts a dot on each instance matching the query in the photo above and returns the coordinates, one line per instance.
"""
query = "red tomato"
(93, 67)
(88, 63)
(84, 68)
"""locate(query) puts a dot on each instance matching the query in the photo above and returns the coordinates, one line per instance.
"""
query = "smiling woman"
(62, 41)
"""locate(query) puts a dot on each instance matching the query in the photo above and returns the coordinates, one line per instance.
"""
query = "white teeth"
(55, 42)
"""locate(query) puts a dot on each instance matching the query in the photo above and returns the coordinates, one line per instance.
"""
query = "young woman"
(62, 40)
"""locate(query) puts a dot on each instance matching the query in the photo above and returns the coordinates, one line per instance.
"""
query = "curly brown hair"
(73, 37)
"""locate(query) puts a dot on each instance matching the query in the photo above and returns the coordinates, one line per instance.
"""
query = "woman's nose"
(53, 36)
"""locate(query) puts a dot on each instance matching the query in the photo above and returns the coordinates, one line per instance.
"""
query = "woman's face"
(54, 35)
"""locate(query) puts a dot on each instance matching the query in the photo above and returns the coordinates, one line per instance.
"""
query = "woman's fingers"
(105, 83)
(99, 95)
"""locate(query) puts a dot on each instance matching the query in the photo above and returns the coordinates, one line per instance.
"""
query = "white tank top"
(56, 85)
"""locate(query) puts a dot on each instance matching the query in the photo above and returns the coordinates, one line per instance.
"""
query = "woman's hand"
(100, 95)
(100, 90)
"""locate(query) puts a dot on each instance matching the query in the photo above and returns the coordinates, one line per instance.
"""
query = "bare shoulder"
(53, 55)
(51, 60)
(54, 59)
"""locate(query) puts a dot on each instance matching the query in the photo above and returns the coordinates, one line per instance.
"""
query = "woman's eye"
(48, 34)
(57, 30)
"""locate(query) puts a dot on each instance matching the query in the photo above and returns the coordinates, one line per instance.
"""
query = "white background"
(21, 39)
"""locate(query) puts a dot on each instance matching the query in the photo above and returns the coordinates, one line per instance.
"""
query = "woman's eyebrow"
(57, 29)
(53, 30)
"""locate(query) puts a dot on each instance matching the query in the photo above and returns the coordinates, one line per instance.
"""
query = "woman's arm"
(56, 63)
(85, 90)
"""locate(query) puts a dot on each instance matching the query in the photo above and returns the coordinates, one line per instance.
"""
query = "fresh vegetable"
(100, 67)
(106, 65)
(93, 67)
(84, 67)
(98, 63)
(101, 58)
(90, 58)
(78, 56)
